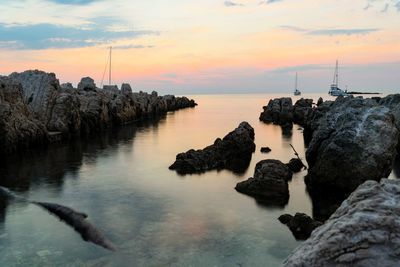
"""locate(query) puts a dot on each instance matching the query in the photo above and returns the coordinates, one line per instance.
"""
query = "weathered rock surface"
(295, 165)
(301, 225)
(364, 231)
(126, 89)
(87, 84)
(269, 184)
(355, 141)
(233, 152)
(393, 103)
(18, 127)
(302, 109)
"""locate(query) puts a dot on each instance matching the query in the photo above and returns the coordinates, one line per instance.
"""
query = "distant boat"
(335, 90)
(296, 90)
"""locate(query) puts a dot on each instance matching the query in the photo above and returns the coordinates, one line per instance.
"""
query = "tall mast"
(295, 85)
(337, 73)
(109, 70)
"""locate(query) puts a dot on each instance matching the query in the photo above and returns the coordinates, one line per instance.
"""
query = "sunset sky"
(208, 46)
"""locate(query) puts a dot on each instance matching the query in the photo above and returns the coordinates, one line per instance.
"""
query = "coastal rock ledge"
(364, 231)
(233, 152)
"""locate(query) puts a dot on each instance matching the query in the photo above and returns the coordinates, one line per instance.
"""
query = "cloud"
(266, 2)
(231, 4)
(132, 46)
(307, 67)
(73, 2)
(43, 36)
(330, 32)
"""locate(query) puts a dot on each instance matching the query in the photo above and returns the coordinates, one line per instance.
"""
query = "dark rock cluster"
(301, 225)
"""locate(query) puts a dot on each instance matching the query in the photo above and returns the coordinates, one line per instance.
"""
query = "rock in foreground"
(300, 224)
(269, 184)
(233, 152)
(355, 141)
(364, 231)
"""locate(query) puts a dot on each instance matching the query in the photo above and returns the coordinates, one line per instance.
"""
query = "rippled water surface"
(154, 216)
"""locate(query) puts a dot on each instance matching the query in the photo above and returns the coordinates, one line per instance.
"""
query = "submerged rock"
(364, 231)
(269, 185)
(301, 225)
(233, 152)
(265, 150)
(295, 165)
(19, 129)
(355, 141)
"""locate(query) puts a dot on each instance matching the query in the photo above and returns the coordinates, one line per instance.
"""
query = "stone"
(295, 165)
(113, 89)
(354, 141)
(364, 231)
(301, 225)
(87, 84)
(126, 89)
(265, 150)
(320, 101)
(233, 152)
(19, 129)
(302, 109)
(269, 185)
(278, 111)
(66, 86)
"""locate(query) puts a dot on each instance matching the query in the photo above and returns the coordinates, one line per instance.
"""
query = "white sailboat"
(296, 90)
(335, 90)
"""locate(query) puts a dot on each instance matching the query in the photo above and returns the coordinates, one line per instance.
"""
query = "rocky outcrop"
(126, 89)
(364, 231)
(63, 111)
(393, 103)
(281, 111)
(301, 225)
(269, 185)
(233, 152)
(355, 141)
(295, 165)
(18, 127)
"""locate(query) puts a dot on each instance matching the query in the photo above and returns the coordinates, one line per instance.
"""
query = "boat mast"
(336, 75)
(109, 70)
(295, 84)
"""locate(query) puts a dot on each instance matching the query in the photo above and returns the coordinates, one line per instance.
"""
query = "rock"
(302, 109)
(269, 184)
(113, 89)
(393, 103)
(65, 115)
(287, 129)
(87, 84)
(295, 165)
(354, 141)
(320, 101)
(300, 225)
(265, 150)
(18, 127)
(278, 111)
(364, 231)
(66, 86)
(233, 152)
(126, 89)
(40, 90)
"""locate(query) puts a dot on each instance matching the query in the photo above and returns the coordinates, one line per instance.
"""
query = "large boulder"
(355, 141)
(18, 127)
(87, 84)
(364, 231)
(278, 111)
(126, 89)
(233, 152)
(40, 90)
(269, 185)
(302, 109)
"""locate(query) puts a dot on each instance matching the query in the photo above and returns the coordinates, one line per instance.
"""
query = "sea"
(120, 179)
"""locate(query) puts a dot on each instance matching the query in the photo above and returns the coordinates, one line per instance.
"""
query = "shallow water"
(154, 216)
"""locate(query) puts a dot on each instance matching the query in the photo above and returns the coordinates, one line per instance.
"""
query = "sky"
(208, 46)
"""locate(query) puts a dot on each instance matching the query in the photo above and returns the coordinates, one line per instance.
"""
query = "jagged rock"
(66, 86)
(126, 89)
(269, 185)
(65, 115)
(40, 90)
(393, 103)
(287, 129)
(233, 152)
(301, 225)
(265, 150)
(320, 101)
(302, 109)
(295, 165)
(355, 141)
(113, 89)
(278, 111)
(18, 127)
(364, 231)
(87, 84)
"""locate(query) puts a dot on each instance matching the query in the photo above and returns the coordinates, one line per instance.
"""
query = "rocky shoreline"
(35, 109)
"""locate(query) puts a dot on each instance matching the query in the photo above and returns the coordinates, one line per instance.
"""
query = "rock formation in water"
(265, 150)
(295, 165)
(301, 225)
(44, 108)
(269, 184)
(19, 129)
(364, 231)
(281, 111)
(233, 152)
(355, 141)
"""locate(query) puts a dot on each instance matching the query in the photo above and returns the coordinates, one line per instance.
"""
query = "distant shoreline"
(363, 93)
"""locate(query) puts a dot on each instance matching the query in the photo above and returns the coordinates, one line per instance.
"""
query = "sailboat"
(296, 90)
(335, 90)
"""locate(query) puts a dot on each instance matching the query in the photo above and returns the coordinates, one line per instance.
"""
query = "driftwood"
(71, 217)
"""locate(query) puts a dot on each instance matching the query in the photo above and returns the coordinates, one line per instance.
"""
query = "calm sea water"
(154, 216)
